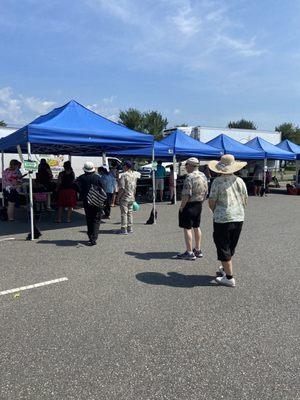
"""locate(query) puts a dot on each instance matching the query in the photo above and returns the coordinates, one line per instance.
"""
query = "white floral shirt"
(128, 182)
(230, 194)
(195, 186)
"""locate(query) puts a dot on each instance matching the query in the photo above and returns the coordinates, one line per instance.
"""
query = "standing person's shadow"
(175, 279)
(153, 255)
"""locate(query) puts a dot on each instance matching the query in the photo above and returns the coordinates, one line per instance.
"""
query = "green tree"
(154, 123)
(242, 124)
(289, 131)
(132, 118)
(2, 123)
(182, 125)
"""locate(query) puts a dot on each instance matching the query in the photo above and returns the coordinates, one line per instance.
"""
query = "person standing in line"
(126, 197)
(108, 183)
(193, 194)
(115, 173)
(258, 178)
(227, 200)
(11, 183)
(160, 175)
(92, 213)
(171, 184)
(44, 177)
(67, 196)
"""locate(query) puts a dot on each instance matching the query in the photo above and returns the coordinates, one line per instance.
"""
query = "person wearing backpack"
(88, 183)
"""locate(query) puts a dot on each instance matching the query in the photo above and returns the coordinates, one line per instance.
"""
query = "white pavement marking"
(32, 286)
(5, 239)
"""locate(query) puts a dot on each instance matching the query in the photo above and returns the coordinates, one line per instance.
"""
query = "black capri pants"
(226, 237)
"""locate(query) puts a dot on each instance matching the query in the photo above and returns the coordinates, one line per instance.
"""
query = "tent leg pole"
(265, 175)
(175, 179)
(30, 194)
(153, 186)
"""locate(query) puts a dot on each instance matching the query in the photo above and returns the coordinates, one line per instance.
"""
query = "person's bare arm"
(184, 202)
(212, 204)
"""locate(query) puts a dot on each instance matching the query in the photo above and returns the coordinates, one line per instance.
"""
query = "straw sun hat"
(227, 165)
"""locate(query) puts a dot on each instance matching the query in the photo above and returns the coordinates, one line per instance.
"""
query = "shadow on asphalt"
(175, 279)
(158, 255)
(63, 243)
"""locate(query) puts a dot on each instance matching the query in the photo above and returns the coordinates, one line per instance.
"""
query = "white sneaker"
(220, 272)
(225, 282)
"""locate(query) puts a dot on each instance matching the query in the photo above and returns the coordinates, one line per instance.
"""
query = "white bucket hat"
(227, 165)
(192, 161)
(89, 167)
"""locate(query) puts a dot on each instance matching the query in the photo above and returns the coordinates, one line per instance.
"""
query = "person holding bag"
(93, 197)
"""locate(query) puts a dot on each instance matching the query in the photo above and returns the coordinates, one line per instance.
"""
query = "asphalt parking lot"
(131, 323)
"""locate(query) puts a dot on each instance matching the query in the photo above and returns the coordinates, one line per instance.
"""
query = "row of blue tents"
(182, 146)
(75, 130)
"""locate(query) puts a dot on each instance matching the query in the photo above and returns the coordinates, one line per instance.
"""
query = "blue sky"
(202, 62)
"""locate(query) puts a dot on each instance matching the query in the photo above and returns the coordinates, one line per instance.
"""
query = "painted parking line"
(35, 285)
(6, 239)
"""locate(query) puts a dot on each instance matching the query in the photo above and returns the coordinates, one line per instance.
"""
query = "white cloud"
(111, 113)
(184, 33)
(177, 111)
(247, 49)
(121, 9)
(19, 109)
(36, 105)
(110, 99)
(186, 22)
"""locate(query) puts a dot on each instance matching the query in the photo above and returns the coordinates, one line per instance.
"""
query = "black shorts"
(258, 182)
(226, 237)
(11, 196)
(190, 216)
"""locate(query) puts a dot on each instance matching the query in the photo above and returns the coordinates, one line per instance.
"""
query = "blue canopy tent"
(271, 151)
(294, 148)
(75, 130)
(183, 145)
(237, 149)
(290, 146)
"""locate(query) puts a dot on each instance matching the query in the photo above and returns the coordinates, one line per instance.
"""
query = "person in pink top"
(11, 182)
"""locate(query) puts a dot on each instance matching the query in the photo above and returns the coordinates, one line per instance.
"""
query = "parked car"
(146, 170)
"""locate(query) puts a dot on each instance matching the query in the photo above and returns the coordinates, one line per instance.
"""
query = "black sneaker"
(198, 253)
(185, 256)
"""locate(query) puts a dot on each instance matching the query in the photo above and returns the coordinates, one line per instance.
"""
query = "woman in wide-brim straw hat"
(227, 200)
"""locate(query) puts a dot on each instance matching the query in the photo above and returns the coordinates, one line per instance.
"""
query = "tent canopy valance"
(237, 149)
(290, 146)
(74, 129)
(160, 150)
(271, 151)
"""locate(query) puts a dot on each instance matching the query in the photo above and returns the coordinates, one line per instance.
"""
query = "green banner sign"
(30, 165)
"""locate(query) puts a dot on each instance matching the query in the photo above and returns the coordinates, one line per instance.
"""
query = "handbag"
(96, 196)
